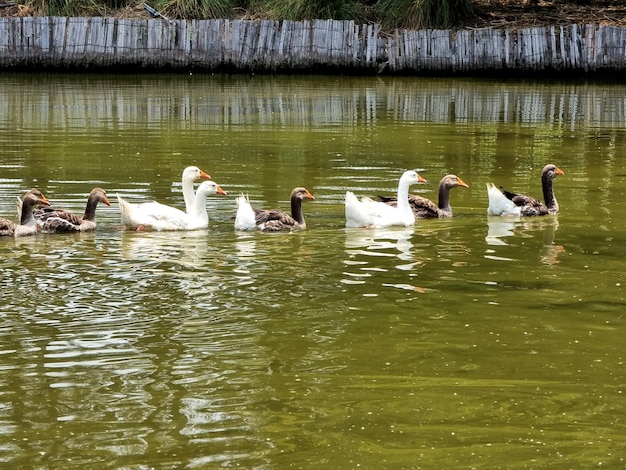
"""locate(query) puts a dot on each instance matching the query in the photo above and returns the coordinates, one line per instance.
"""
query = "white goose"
(156, 216)
(376, 214)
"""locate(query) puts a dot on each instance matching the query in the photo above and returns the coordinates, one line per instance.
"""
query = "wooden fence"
(288, 46)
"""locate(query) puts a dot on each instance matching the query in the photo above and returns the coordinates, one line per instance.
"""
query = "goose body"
(367, 212)
(425, 208)
(275, 220)
(27, 225)
(506, 203)
(59, 221)
(160, 217)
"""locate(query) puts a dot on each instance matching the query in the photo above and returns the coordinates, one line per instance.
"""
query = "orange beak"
(420, 179)
(106, 201)
(221, 191)
(204, 176)
(559, 171)
(310, 196)
(462, 183)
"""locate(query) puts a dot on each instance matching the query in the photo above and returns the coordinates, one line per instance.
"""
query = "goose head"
(193, 173)
(301, 194)
(411, 177)
(36, 198)
(453, 181)
(99, 195)
(551, 171)
(31, 199)
(209, 188)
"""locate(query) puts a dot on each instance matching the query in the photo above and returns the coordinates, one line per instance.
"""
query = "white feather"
(499, 205)
(244, 220)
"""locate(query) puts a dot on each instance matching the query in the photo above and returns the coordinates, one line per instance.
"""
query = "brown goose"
(27, 225)
(507, 203)
(425, 208)
(272, 220)
(61, 221)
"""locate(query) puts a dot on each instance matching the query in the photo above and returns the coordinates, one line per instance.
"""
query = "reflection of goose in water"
(382, 242)
(183, 260)
(189, 249)
(381, 258)
(549, 253)
(499, 228)
(245, 257)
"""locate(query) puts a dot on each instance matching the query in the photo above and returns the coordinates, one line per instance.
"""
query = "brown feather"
(60, 220)
(530, 206)
(275, 220)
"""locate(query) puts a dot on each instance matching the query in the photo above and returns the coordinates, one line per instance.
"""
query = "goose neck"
(198, 208)
(403, 197)
(90, 209)
(444, 198)
(26, 217)
(296, 210)
(188, 194)
(548, 192)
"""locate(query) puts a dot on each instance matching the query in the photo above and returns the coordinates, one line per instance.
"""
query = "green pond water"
(469, 342)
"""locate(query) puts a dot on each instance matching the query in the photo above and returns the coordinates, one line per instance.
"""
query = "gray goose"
(52, 220)
(272, 220)
(509, 203)
(27, 225)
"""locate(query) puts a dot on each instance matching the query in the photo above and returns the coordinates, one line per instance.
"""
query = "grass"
(435, 14)
(389, 13)
(310, 9)
(201, 9)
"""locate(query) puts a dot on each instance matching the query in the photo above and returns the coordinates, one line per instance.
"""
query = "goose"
(52, 220)
(27, 225)
(275, 220)
(506, 203)
(191, 174)
(377, 214)
(160, 217)
(425, 208)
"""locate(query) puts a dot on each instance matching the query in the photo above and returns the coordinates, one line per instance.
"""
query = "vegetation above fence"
(390, 13)
(318, 45)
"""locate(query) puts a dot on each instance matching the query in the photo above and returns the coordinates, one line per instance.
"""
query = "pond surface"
(461, 343)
